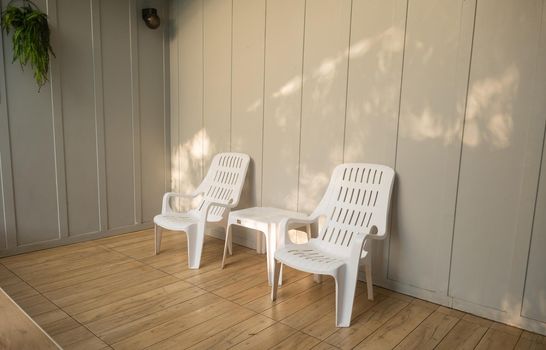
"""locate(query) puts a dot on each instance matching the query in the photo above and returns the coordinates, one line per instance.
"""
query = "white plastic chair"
(355, 207)
(220, 191)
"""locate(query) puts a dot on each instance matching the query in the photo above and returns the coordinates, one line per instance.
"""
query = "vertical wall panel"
(7, 206)
(373, 90)
(431, 115)
(377, 45)
(152, 111)
(282, 102)
(99, 112)
(115, 40)
(189, 153)
(327, 26)
(217, 78)
(33, 159)
(173, 90)
(499, 166)
(58, 130)
(3, 237)
(134, 15)
(247, 103)
(6, 181)
(534, 299)
(77, 79)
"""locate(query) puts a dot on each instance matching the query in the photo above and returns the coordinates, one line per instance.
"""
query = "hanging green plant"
(30, 37)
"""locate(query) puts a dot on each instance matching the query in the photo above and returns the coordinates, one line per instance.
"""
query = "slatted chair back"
(357, 199)
(224, 182)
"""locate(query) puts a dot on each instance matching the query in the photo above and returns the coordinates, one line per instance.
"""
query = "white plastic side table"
(265, 220)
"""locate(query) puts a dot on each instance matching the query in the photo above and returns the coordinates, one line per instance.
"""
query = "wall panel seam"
(57, 128)
(166, 105)
(203, 132)
(347, 84)
(178, 100)
(263, 107)
(135, 113)
(461, 147)
(533, 223)
(6, 171)
(231, 83)
(3, 213)
(100, 148)
(301, 104)
(540, 39)
(398, 130)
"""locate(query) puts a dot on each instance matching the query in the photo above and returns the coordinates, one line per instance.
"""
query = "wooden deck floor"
(114, 293)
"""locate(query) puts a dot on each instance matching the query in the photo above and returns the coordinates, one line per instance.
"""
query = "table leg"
(258, 242)
(273, 242)
(270, 256)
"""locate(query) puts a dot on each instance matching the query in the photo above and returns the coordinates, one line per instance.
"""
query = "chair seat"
(308, 258)
(181, 221)
(178, 222)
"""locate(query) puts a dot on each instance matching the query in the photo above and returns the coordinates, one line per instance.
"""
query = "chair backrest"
(224, 181)
(357, 198)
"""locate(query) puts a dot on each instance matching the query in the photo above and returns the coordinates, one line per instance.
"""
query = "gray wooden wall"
(449, 93)
(87, 156)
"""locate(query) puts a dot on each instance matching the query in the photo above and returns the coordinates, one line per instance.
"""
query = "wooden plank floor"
(114, 293)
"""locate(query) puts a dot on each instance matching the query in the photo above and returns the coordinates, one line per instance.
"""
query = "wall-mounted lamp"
(151, 18)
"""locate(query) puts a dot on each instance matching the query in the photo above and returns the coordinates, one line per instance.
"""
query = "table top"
(18, 330)
(266, 214)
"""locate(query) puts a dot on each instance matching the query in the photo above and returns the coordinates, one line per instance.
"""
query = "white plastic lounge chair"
(355, 207)
(220, 191)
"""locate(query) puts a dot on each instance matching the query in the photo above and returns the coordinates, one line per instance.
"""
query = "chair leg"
(158, 232)
(275, 284)
(230, 242)
(345, 293)
(369, 281)
(259, 243)
(227, 245)
(195, 246)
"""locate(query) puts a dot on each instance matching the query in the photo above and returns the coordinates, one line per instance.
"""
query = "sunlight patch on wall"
(291, 86)
(489, 113)
(187, 162)
(254, 105)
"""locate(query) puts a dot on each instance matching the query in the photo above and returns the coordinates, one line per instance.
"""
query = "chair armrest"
(283, 225)
(208, 205)
(375, 235)
(358, 242)
(166, 207)
(289, 221)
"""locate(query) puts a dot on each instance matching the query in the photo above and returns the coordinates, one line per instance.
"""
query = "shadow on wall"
(379, 104)
(488, 119)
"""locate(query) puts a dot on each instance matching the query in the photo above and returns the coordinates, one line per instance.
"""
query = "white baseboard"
(512, 319)
(73, 239)
(248, 239)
